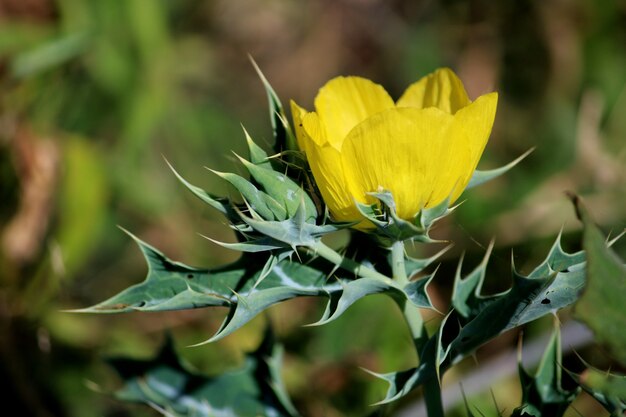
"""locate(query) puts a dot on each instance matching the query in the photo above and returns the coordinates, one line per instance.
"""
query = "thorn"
(216, 172)
(459, 267)
(616, 238)
(520, 340)
(492, 243)
(295, 250)
(241, 159)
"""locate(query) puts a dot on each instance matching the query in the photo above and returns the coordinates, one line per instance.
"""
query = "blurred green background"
(93, 95)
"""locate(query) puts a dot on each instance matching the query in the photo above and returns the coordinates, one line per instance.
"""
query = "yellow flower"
(423, 148)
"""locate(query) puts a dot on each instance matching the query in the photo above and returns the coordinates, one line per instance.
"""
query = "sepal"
(390, 228)
(283, 134)
(294, 231)
(257, 155)
(221, 204)
(282, 189)
(259, 201)
(481, 177)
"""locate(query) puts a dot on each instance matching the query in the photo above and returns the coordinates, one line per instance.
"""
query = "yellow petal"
(474, 123)
(406, 151)
(470, 132)
(298, 113)
(325, 163)
(441, 89)
(344, 102)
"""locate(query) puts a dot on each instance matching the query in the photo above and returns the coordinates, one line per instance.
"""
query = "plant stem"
(397, 263)
(413, 317)
(348, 264)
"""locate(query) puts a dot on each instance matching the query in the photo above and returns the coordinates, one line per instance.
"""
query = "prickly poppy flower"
(422, 148)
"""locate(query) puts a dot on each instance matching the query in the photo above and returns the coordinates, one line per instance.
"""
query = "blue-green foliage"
(279, 227)
(476, 319)
(247, 287)
(168, 385)
(542, 393)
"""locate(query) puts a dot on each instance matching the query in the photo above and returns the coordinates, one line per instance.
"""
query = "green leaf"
(601, 305)
(542, 393)
(257, 155)
(220, 204)
(554, 284)
(285, 281)
(246, 287)
(172, 285)
(528, 299)
(251, 245)
(466, 294)
(352, 291)
(296, 230)
(283, 190)
(283, 135)
(167, 384)
(481, 177)
(259, 201)
(417, 265)
(426, 218)
(607, 388)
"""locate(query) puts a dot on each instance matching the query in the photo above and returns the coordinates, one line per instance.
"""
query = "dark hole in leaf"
(450, 331)
(545, 301)
(141, 304)
(190, 276)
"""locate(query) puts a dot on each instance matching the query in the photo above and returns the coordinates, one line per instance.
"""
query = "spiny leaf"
(481, 177)
(172, 285)
(528, 300)
(287, 280)
(259, 201)
(352, 291)
(283, 135)
(466, 294)
(257, 155)
(609, 389)
(403, 382)
(427, 217)
(416, 265)
(416, 292)
(165, 382)
(247, 287)
(601, 305)
(283, 190)
(220, 204)
(295, 231)
(263, 244)
(542, 393)
(542, 292)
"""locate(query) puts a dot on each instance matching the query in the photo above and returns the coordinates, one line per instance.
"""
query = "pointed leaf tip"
(481, 177)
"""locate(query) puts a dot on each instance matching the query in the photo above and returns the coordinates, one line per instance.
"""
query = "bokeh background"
(95, 93)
